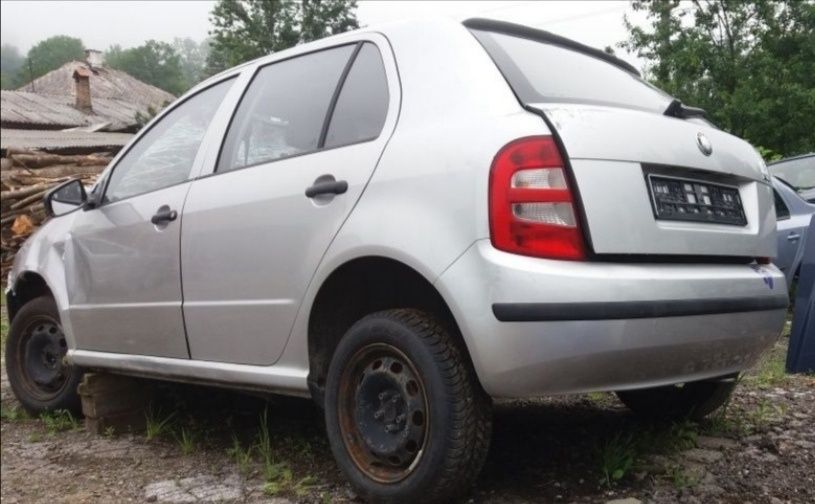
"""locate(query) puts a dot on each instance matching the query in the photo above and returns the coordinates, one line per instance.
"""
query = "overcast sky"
(130, 23)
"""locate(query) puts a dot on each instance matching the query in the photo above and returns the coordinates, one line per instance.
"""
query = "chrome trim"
(273, 379)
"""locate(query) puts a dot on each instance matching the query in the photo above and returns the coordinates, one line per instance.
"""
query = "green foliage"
(157, 424)
(13, 413)
(155, 63)
(50, 54)
(242, 456)
(59, 421)
(617, 456)
(750, 64)
(187, 440)
(244, 29)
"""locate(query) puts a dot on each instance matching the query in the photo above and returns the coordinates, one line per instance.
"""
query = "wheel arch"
(361, 286)
(28, 285)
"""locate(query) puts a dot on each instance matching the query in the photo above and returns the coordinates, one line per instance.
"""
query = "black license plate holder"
(681, 199)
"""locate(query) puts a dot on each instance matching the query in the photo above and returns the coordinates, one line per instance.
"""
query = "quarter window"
(363, 102)
(283, 111)
(164, 155)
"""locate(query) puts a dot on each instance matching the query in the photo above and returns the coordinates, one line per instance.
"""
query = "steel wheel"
(41, 358)
(383, 413)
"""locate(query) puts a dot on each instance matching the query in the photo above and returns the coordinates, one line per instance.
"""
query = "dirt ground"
(204, 445)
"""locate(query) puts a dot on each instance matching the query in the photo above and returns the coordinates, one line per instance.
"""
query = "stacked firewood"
(25, 177)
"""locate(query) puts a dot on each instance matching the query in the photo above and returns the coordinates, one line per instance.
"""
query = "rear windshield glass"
(542, 72)
(799, 173)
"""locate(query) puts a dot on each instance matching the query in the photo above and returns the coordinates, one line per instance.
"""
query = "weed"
(59, 421)
(35, 437)
(280, 479)
(156, 425)
(187, 440)
(243, 457)
(617, 456)
(764, 414)
(680, 478)
(771, 370)
(110, 431)
(264, 444)
(13, 414)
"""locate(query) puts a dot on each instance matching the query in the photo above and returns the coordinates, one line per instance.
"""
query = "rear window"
(799, 173)
(542, 72)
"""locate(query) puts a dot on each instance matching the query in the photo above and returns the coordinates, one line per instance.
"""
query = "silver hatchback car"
(402, 223)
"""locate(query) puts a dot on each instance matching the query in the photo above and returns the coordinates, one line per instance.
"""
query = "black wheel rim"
(383, 413)
(41, 358)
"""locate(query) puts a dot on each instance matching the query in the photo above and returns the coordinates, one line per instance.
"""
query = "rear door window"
(283, 111)
(541, 72)
(363, 101)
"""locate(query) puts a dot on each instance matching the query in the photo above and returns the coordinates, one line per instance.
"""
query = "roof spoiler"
(522, 31)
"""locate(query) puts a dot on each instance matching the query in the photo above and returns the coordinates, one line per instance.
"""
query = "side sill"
(551, 312)
(267, 379)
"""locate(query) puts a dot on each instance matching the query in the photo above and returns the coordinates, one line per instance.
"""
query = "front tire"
(693, 400)
(35, 360)
(406, 417)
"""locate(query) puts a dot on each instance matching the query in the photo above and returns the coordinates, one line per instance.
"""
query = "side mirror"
(65, 198)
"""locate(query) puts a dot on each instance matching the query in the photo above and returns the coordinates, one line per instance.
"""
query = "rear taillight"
(532, 209)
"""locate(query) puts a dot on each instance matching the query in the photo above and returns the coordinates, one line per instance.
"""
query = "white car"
(404, 222)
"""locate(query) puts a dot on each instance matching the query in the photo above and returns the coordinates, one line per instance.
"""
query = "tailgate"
(649, 183)
(624, 159)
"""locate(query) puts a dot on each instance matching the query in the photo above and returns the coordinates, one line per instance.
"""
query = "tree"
(155, 63)
(750, 64)
(245, 29)
(51, 54)
(10, 63)
(193, 57)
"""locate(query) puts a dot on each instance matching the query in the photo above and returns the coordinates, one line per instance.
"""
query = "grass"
(13, 413)
(187, 440)
(59, 421)
(157, 425)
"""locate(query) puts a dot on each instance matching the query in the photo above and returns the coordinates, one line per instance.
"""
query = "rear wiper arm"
(676, 109)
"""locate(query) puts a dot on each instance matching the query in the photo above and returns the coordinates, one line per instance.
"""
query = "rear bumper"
(536, 327)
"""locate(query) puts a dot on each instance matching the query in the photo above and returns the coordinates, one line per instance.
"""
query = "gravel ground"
(575, 449)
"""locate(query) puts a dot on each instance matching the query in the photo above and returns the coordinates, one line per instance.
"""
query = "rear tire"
(693, 400)
(35, 353)
(406, 417)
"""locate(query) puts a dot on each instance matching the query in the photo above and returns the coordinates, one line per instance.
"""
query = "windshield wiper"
(676, 109)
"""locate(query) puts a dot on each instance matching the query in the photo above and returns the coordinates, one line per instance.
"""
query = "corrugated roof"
(105, 83)
(18, 108)
(50, 139)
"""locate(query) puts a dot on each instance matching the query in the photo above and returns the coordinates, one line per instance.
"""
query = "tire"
(35, 351)
(406, 417)
(692, 400)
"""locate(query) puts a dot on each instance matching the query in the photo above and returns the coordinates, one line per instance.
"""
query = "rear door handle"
(164, 215)
(330, 186)
(793, 236)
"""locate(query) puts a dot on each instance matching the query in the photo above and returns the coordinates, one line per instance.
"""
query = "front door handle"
(164, 215)
(326, 185)
(793, 236)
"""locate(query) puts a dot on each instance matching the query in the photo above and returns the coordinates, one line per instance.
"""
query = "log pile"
(25, 177)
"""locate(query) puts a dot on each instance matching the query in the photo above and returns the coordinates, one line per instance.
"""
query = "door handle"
(164, 215)
(793, 236)
(324, 186)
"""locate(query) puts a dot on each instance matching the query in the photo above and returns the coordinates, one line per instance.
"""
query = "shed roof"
(24, 110)
(50, 139)
(105, 82)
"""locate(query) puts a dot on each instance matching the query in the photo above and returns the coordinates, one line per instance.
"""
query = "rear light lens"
(532, 209)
